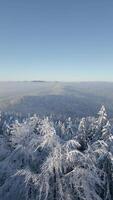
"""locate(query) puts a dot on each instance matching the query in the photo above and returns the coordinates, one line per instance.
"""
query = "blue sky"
(64, 40)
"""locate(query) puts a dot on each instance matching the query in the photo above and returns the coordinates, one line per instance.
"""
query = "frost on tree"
(46, 159)
(82, 134)
(102, 119)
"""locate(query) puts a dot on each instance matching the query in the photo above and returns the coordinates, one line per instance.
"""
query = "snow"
(41, 159)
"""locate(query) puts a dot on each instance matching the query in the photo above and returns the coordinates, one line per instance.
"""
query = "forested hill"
(48, 159)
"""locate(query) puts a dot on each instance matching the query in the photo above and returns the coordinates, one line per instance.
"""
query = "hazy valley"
(56, 141)
(43, 98)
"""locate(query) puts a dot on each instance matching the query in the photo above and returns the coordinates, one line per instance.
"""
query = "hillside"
(46, 159)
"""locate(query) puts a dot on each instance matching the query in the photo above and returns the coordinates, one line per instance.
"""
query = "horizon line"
(66, 81)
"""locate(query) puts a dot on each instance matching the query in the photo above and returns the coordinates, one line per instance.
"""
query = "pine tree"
(69, 128)
(102, 119)
(82, 134)
(99, 124)
(106, 131)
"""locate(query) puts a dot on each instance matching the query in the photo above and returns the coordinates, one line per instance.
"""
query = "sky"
(56, 40)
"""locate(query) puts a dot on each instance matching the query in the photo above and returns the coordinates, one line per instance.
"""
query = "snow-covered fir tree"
(82, 135)
(102, 119)
(45, 162)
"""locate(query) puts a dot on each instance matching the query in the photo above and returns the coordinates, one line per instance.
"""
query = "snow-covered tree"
(98, 124)
(106, 131)
(47, 164)
(102, 119)
(82, 126)
(69, 130)
(82, 134)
